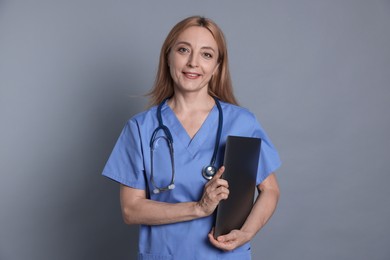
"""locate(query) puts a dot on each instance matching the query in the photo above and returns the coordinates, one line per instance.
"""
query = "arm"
(262, 211)
(137, 209)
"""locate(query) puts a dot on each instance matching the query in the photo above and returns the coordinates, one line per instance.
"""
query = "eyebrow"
(189, 44)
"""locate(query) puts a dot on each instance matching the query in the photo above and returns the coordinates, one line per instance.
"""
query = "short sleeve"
(125, 164)
(269, 160)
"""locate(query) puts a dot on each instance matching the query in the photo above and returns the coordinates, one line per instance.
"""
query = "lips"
(191, 75)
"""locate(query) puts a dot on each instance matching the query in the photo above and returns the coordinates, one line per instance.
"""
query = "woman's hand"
(231, 241)
(215, 190)
(261, 212)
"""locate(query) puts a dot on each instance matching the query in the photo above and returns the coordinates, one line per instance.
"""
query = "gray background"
(316, 73)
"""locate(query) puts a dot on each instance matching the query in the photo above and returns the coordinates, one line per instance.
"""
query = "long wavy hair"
(220, 85)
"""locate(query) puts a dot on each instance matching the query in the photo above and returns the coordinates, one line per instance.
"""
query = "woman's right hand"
(215, 190)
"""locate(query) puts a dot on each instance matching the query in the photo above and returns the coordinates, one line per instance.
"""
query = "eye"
(183, 50)
(207, 55)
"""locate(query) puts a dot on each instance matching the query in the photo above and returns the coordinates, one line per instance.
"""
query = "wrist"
(198, 209)
(249, 234)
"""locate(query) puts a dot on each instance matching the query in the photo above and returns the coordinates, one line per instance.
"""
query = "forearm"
(263, 209)
(137, 209)
(149, 212)
(261, 212)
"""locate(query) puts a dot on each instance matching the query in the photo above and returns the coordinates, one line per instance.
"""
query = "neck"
(187, 103)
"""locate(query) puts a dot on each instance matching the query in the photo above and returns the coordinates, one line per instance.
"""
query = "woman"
(160, 154)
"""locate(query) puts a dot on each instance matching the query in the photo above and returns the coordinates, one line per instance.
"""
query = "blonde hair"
(220, 85)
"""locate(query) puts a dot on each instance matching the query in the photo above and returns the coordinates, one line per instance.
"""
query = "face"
(193, 59)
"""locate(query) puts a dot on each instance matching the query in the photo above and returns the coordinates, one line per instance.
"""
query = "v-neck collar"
(180, 135)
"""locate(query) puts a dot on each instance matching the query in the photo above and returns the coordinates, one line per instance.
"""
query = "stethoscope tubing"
(207, 172)
(219, 132)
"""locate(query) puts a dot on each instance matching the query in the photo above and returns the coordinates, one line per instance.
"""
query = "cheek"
(174, 64)
(174, 72)
(213, 70)
(175, 60)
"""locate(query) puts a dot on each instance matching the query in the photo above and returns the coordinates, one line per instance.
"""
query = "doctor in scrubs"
(168, 159)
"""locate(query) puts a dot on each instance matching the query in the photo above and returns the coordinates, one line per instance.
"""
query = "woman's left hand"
(231, 241)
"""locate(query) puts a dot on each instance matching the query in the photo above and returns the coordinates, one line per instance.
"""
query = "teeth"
(192, 75)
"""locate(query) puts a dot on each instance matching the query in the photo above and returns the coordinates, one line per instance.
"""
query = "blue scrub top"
(129, 164)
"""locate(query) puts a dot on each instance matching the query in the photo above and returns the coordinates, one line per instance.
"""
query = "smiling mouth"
(191, 75)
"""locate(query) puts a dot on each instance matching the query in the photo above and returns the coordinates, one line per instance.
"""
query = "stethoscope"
(208, 171)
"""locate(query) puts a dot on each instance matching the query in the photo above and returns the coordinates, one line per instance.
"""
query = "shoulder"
(144, 116)
(234, 111)
(141, 123)
(240, 121)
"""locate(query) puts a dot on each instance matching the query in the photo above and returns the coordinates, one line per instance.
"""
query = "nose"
(192, 61)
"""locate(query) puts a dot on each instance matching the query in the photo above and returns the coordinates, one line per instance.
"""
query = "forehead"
(197, 36)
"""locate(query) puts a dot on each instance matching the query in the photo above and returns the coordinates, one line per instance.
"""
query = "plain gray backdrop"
(316, 74)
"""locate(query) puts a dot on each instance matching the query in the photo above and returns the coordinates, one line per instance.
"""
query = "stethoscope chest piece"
(208, 172)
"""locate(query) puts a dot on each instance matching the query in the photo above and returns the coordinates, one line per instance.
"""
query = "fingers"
(228, 237)
(216, 189)
(219, 193)
(218, 185)
(214, 194)
(223, 245)
(227, 242)
(219, 172)
(216, 181)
